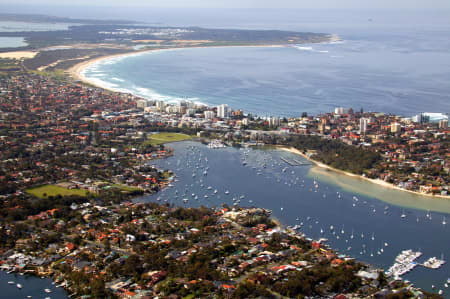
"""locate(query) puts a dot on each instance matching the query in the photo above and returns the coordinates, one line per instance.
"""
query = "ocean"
(401, 68)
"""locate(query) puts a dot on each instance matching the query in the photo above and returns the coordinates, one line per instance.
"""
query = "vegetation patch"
(53, 190)
(126, 188)
(161, 138)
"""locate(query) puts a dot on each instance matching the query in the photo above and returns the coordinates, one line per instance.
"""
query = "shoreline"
(373, 181)
(76, 71)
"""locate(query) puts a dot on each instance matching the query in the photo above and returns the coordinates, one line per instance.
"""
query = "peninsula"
(73, 157)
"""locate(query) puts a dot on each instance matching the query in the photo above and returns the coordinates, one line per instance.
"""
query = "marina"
(352, 222)
(15, 285)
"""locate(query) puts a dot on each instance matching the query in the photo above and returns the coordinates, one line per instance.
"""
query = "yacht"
(10, 282)
(443, 221)
(19, 286)
(47, 290)
(403, 214)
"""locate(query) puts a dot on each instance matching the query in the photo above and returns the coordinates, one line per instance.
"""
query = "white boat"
(47, 290)
(403, 214)
(227, 192)
(433, 263)
(443, 221)
(19, 286)
(373, 236)
(10, 282)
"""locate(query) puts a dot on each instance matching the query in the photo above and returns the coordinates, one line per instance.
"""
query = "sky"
(310, 4)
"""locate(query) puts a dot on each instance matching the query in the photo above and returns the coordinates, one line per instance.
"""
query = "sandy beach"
(18, 55)
(374, 181)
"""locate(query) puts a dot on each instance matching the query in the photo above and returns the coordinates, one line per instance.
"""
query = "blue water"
(31, 286)
(12, 42)
(294, 199)
(386, 67)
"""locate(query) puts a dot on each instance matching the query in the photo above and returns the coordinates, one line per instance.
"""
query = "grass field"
(161, 138)
(126, 188)
(52, 190)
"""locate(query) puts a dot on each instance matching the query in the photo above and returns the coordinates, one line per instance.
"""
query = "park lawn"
(161, 138)
(53, 190)
(126, 188)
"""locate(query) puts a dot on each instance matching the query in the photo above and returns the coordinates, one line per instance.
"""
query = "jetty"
(294, 162)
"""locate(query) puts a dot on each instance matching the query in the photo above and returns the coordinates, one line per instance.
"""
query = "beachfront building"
(363, 122)
(274, 121)
(395, 128)
(339, 110)
(223, 111)
(209, 114)
(160, 105)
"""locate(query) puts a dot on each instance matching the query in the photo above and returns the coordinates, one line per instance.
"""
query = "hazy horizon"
(318, 4)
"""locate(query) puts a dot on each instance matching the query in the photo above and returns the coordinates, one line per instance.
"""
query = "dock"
(294, 162)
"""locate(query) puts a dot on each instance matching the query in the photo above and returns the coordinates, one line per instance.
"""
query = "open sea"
(401, 68)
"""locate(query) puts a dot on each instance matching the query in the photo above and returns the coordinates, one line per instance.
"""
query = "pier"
(295, 162)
